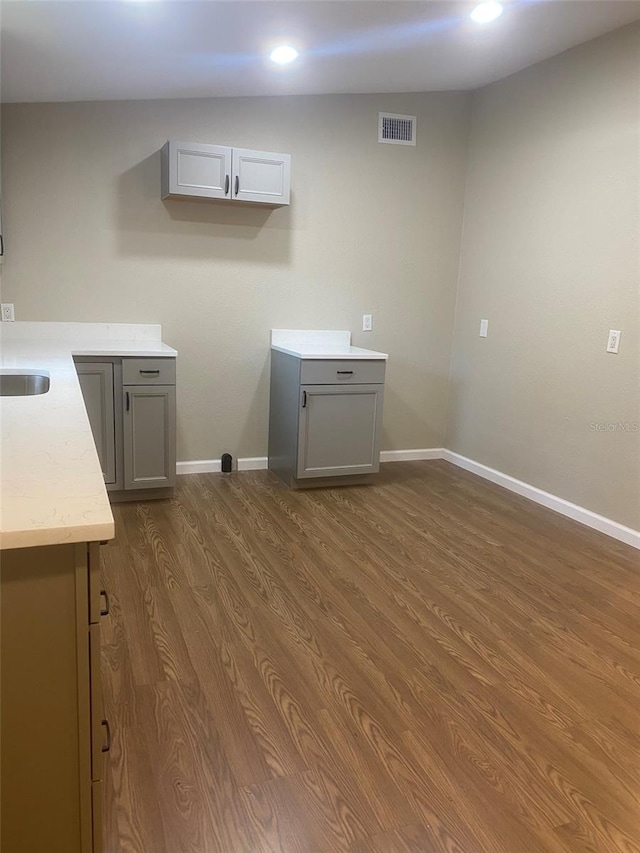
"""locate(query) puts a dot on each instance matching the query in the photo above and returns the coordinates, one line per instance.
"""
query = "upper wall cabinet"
(196, 170)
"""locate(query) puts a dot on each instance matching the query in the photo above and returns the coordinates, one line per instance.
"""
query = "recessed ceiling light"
(486, 12)
(283, 54)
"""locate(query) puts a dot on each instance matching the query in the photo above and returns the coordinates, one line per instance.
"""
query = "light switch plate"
(367, 322)
(484, 328)
(8, 315)
(613, 343)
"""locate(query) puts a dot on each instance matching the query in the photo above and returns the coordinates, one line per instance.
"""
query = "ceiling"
(69, 50)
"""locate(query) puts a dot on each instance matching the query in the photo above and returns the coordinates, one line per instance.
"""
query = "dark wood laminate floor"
(427, 664)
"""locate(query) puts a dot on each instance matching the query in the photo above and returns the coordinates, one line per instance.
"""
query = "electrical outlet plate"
(484, 328)
(367, 322)
(8, 315)
(613, 342)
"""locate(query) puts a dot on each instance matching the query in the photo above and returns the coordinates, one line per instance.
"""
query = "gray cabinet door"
(149, 436)
(339, 430)
(96, 382)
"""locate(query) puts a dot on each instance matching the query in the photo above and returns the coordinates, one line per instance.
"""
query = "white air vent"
(397, 130)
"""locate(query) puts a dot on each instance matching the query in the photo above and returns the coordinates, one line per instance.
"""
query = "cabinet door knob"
(107, 604)
(237, 184)
(107, 745)
(226, 185)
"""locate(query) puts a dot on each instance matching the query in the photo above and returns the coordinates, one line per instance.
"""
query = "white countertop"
(329, 344)
(51, 486)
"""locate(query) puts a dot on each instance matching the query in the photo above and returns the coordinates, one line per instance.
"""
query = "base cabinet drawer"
(148, 371)
(333, 371)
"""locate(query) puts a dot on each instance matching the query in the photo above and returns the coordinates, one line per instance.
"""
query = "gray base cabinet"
(325, 418)
(131, 405)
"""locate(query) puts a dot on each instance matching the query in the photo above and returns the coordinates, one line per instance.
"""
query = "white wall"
(550, 257)
(371, 228)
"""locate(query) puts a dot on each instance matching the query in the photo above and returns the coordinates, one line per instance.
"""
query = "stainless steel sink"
(23, 383)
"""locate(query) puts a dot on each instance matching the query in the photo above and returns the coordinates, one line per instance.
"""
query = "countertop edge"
(40, 537)
(367, 355)
(162, 351)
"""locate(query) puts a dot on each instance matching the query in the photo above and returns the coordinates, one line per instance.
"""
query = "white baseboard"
(260, 463)
(411, 455)
(564, 507)
(213, 466)
(199, 466)
(253, 463)
(578, 513)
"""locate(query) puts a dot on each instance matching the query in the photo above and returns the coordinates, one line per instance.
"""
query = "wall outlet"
(8, 315)
(367, 322)
(612, 344)
(484, 328)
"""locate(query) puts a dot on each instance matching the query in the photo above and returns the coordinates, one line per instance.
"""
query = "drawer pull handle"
(304, 399)
(237, 184)
(344, 372)
(150, 372)
(107, 604)
(107, 746)
(226, 185)
(128, 401)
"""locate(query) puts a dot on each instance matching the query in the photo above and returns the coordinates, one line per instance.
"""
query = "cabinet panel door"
(149, 436)
(44, 762)
(96, 382)
(94, 583)
(339, 430)
(97, 707)
(261, 176)
(199, 170)
(96, 808)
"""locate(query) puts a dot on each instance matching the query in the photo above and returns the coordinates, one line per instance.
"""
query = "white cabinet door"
(196, 169)
(261, 176)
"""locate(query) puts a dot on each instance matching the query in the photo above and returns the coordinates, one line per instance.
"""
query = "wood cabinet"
(52, 726)
(325, 419)
(215, 172)
(131, 404)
